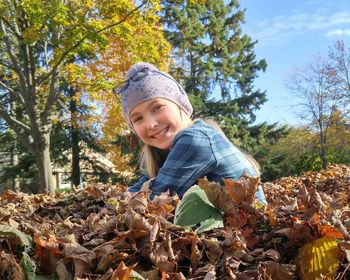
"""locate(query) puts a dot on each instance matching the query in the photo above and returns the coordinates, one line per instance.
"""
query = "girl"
(177, 151)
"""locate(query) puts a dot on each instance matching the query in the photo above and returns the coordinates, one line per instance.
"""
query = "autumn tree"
(314, 85)
(37, 38)
(91, 82)
(338, 148)
(294, 154)
(339, 60)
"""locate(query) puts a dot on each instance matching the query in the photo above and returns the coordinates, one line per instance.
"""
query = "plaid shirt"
(198, 151)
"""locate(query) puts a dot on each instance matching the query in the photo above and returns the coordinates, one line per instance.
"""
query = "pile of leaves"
(103, 232)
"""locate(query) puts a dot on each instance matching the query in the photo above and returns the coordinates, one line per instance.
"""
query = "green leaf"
(195, 210)
(29, 266)
(11, 232)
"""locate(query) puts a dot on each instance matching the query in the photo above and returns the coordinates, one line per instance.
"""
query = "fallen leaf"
(217, 196)
(122, 272)
(318, 258)
(278, 271)
(242, 190)
(330, 232)
(9, 268)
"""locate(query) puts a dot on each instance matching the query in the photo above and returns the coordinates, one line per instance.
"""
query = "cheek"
(139, 131)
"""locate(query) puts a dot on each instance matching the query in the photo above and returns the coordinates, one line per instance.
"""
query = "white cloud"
(338, 32)
(281, 28)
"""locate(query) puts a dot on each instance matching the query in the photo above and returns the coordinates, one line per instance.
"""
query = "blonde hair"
(152, 158)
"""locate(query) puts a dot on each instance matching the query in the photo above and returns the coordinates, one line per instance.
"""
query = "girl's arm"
(137, 186)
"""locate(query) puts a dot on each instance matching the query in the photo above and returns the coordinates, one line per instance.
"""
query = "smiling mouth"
(160, 133)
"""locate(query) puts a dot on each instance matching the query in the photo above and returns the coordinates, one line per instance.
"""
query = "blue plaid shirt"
(198, 151)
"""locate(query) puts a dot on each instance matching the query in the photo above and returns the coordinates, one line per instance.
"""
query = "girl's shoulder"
(198, 130)
(200, 126)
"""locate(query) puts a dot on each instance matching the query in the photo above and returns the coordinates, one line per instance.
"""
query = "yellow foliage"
(138, 37)
(319, 258)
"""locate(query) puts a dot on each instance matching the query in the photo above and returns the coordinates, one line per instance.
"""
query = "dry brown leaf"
(330, 232)
(299, 234)
(82, 257)
(272, 254)
(62, 270)
(338, 223)
(122, 272)
(117, 226)
(163, 205)
(293, 206)
(49, 243)
(173, 276)
(94, 191)
(217, 196)
(278, 271)
(159, 257)
(214, 249)
(271, 216)
(304, 197)
(344, 247)
(195, 252)
(154, 231)
(139, 202)
(9, 268)
(206, 272)
(237, 220)
(242, 190)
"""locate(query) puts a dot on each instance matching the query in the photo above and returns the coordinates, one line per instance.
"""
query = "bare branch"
(14, 30)
(13, 58)
(6, 63)
(51, 98)
(13, 92)
(7, 87)
(12, 122)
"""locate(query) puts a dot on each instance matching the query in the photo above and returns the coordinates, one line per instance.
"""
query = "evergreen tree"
(216, 63)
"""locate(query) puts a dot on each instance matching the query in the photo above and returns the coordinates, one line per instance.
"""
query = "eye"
(158, 107)
(136, 120)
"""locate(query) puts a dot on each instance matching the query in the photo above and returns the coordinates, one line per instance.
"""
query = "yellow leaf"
(318, 258)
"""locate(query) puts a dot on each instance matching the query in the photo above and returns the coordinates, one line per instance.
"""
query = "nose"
(152, 121)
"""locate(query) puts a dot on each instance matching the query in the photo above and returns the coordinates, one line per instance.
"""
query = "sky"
(289, 34)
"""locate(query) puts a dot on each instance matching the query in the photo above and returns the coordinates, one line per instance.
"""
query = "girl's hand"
(147, 186)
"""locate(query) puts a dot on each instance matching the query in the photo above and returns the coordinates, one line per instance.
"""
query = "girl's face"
(157, 121)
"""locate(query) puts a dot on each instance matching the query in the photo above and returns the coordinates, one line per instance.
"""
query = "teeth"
(160, 133)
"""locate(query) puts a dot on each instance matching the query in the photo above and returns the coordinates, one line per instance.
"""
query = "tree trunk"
(14, 160)
(75, 157)
(75, 137)
(323, 152)
(43, 160)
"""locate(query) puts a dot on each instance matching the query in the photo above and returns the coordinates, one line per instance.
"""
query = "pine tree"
(216, 63)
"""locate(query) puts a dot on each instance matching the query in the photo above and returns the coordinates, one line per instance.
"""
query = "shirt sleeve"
(190, 159)
(137, 186)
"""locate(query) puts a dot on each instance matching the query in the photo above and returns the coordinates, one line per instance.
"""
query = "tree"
(315, 86)
(294, 154)
(213, 56)
(338, 148)
(97, 110)
(37, 38)
(215, 62)
(339, 59)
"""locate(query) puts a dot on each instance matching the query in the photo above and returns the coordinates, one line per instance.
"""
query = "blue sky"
(289, 34)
